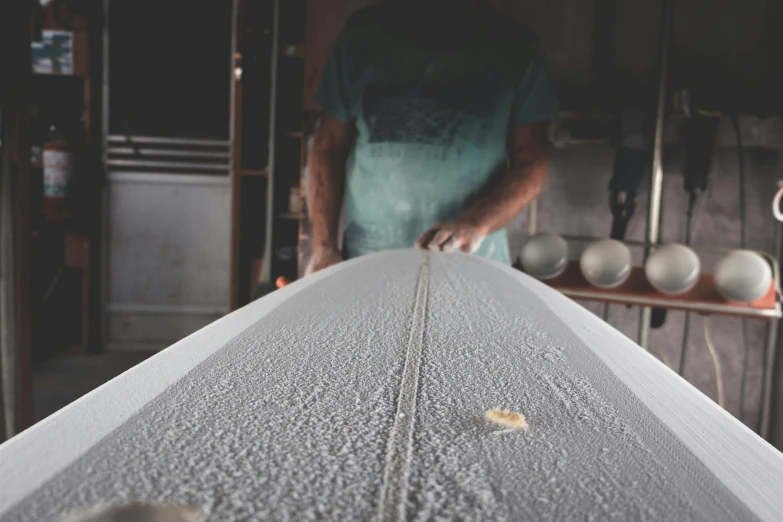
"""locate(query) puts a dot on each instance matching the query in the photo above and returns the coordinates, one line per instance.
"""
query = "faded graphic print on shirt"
(436, 112)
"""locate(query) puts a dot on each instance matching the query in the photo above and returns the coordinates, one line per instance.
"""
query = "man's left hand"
(451, 237)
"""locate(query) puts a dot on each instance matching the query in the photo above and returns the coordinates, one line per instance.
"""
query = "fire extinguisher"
(58, 168)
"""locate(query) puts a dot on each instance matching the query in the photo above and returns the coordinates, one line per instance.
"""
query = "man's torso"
(433, 129)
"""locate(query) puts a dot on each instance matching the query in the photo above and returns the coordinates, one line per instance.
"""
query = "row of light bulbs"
(741, 275)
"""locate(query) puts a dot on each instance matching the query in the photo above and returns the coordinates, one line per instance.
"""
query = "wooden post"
(16, 322)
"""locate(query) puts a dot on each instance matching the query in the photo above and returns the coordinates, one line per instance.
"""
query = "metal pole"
(3, 245)
(771, 371)
(774, 423)
(104, 203)
(686, 328)
(532, 217)
(768, 377)
(270, 187)
(656, 181)
(8, 341)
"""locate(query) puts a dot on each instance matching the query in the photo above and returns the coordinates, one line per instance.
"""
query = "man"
(434, 133)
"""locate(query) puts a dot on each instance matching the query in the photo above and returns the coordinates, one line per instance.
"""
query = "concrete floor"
(60, 381)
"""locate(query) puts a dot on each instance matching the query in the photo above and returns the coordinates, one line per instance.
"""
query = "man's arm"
(521, 184)
(325, 187)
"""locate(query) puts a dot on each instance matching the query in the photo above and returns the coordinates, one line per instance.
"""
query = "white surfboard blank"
(360, 394)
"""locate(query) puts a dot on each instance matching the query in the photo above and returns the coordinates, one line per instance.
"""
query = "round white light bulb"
(743, 276)
(672, 269)
(606, 263)
(545, 255)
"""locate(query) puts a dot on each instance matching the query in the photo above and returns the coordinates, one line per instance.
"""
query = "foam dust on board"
(507, 419)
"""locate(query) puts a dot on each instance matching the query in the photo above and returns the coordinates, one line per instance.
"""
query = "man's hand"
(522, 183)
(451, 237)
(323, 258)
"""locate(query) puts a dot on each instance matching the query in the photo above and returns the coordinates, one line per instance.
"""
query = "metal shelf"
(637, 291)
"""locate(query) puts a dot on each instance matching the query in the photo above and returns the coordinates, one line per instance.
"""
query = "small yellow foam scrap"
(507, 419)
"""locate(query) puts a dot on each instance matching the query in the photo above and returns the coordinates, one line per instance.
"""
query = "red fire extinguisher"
(58, 167)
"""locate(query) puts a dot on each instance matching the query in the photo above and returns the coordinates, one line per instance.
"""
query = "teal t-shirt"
(432, 127)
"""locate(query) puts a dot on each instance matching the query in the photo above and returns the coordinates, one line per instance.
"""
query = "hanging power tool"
(701, 129)
(633, 157)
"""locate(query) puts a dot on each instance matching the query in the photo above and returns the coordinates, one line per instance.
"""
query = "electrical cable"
(743, 245)
(52, 285)
(660, 356)
(776, 205)
(715, 361)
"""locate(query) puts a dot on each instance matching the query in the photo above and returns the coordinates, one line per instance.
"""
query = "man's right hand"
(323, 258)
